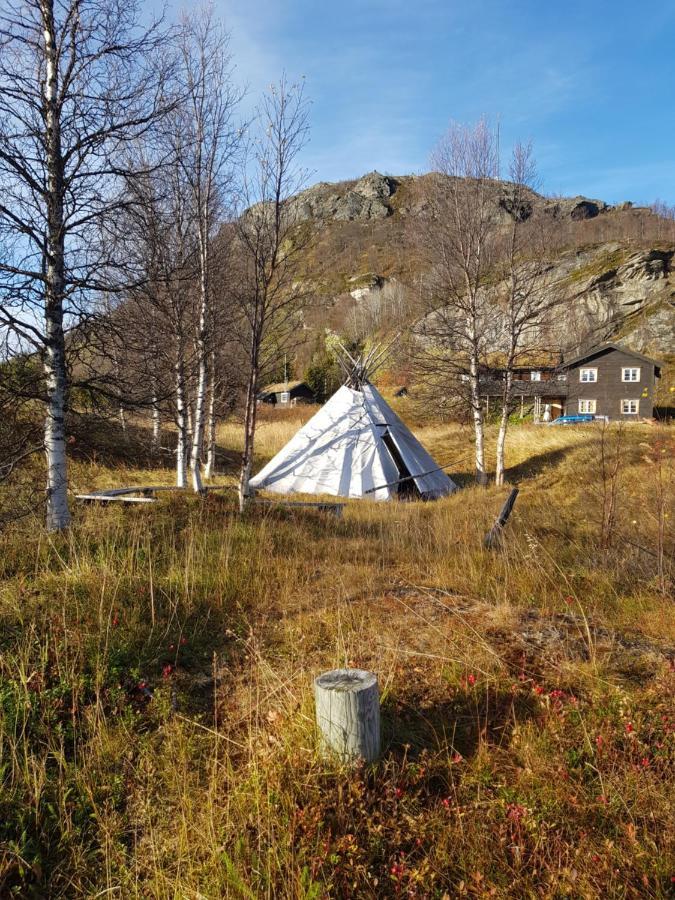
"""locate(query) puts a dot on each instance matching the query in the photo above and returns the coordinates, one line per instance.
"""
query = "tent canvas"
(354, 446)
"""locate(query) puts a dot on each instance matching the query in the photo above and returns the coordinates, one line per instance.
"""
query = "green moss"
(603, 263)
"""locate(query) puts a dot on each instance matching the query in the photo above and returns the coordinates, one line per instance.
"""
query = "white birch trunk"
(156, 424)
(200, 398)
(58, 514)
(476, 408)
(188, 418)
(249, 436)
(210, 467)
(198, 431)
(181, 426)
(503, 426)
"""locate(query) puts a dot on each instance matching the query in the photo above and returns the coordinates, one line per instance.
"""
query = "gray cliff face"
(607, 294)
(615, 294)
(611, 290)
(363, 200)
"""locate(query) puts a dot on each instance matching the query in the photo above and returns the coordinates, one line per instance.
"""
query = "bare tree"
(456, 240)
(159, 233)
(270, 294)
(207, 141)
(224, 354)
(79, 80)
(529, 297)
(20, 433)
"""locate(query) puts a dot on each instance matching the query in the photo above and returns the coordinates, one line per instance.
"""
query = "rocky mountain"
(617, 293)
(376, 196)
(616, 264)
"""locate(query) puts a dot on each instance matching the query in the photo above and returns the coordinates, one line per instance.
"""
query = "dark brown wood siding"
(299, 392)
(609, 390)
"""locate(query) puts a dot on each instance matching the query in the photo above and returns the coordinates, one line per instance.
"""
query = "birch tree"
(79, 80)
(20, 437)
(207, 141)
(529, 296)
(159, 234)
(270, 294)
(456, 239)
(226, 360)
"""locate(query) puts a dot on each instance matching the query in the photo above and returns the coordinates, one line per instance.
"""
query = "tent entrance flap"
(407, 487)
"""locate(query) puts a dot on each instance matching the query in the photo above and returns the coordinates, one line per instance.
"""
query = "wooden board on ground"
(323, 506)
(113, 498)
(123, 495)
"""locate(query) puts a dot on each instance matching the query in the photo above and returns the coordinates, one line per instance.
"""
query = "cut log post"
(348, 713)
(494, 535)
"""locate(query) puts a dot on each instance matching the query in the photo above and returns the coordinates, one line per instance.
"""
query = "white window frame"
(535, 375)
(284, 397)
(592, 376)
(629, 380)
(630, 412)
(591, 404)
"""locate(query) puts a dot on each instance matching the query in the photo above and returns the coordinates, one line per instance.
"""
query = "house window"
(587, 406)
(630, 407)
(284, 396)
(535, 376)
(588, 376)
(630, 374)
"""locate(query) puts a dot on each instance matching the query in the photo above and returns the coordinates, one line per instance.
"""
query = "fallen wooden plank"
(323, 506)
(146, 490)
(113, 498)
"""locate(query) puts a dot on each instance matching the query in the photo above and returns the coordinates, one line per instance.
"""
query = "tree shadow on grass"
(540, 462)
(457, 726)
(100, 440)
(528, 468)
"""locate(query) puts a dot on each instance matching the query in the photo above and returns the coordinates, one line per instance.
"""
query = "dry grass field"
(156, 716)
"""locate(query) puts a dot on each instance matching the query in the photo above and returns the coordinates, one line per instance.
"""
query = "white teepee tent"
(355, 446)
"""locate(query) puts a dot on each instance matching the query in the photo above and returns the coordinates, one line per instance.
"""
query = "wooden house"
(608, 381)
(537, 389)
(613, 382)
(287, 393)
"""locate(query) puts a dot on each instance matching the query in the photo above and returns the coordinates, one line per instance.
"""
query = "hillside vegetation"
(614, 265)
(156, 716)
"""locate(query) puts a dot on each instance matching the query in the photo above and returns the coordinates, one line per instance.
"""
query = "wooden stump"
(348, 713)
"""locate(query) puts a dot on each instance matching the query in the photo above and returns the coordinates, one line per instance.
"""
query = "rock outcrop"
(616, 293)
(614, 290)
(362, 200)
(371, 198)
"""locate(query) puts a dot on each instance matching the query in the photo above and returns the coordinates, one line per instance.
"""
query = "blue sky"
(592, 84)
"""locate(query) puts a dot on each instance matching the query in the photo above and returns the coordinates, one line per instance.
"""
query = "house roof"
(603, 348)
(281, 386)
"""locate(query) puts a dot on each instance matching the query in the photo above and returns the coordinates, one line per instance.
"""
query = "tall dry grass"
(156, 721)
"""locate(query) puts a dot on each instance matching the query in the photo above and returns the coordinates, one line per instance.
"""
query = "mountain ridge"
(616, 263)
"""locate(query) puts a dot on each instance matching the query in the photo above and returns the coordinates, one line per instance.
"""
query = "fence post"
(494, 535)
(348, 713)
